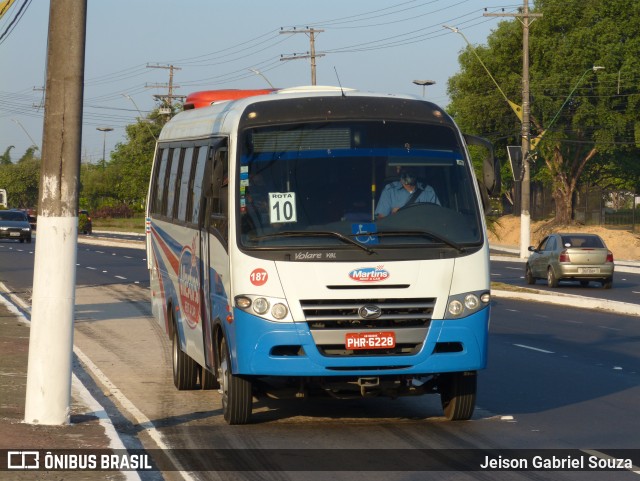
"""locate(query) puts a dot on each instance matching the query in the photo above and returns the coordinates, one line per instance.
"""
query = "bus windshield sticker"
(364, 233)
(282, 207)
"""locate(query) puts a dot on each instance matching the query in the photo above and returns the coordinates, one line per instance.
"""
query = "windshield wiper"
(421, 233)
(320, 233)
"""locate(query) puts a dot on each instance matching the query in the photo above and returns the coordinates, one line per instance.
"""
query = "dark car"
(84, 222)
(14, 224)
(577, 257)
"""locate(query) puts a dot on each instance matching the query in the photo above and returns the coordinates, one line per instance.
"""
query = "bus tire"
(237, 398)
(208, 380)
(185, 369)
(458, 395)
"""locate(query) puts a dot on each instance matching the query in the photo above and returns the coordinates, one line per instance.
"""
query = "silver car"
(575, 257)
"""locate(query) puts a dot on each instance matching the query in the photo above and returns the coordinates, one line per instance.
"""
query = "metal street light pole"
(594, 69)
(25, 131)
(424, 83)
(258, 72)
(142, 119)
(515, 107)
(104, 130)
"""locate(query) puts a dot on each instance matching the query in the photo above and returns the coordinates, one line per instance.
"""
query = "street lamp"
(258, 72)
(25, 131)
(424, 83)
(535, 141)
(517, 109)
(104, 130)
(142, 118)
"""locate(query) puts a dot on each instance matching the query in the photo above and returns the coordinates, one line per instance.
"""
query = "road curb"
(571, 301)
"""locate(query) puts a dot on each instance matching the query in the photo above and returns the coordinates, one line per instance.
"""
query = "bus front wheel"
(237, 398)
(458, 395)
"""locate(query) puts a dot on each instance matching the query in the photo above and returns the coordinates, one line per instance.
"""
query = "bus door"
(214, 252)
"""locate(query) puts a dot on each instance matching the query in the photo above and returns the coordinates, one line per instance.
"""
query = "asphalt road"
(558, 377)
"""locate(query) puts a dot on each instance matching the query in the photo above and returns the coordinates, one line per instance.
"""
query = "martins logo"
(369, 274)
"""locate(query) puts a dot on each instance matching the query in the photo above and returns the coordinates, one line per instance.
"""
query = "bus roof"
(206, 98)
(222, 116)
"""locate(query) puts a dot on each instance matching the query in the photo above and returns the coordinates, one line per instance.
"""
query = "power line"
(15, 20)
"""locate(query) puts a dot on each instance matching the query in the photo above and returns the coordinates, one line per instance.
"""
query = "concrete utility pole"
(170, 86)
(526, 19)
(51, 336)
(312, 50)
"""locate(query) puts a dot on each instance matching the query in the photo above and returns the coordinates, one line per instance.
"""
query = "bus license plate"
(370, 340)
(14, 234)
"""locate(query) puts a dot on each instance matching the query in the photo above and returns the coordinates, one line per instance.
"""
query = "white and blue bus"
(277, 262)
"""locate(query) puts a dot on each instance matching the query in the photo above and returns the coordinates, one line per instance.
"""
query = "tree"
(596, 129)
(21, 180)
(5, 159)
(131, 161)
(125, 177)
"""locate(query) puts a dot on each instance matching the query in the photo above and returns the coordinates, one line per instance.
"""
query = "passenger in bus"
(404, 192)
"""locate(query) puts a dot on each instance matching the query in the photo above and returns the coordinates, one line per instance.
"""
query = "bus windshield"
(373, 184)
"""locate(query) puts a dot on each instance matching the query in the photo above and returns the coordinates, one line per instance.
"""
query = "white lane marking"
(514, 268)
(513, 310)
(534, 348)
(91, 268)
(100, 252)
(104, 272)
(610, 328)
(143, 421)
(496, 275)
(128, 257)
(120, 277)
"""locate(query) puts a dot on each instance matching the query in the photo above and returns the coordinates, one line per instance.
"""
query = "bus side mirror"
(491, 181)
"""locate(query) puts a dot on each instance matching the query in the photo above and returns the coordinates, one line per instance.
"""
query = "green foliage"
(5, 159)
(21, 180)
(125, 177)
(590, 118)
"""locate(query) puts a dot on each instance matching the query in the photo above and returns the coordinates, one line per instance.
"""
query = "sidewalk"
(84, 432)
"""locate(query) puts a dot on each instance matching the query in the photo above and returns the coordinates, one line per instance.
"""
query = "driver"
(404, 192)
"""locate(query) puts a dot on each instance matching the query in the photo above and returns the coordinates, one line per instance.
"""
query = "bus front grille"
(367, 313)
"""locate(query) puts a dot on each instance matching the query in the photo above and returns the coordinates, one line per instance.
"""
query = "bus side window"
(185, 180)
(166, 190)
(159, 180)
(198, 177)
(172, 193)
(218, 217)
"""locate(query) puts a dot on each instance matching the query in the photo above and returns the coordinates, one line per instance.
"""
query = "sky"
(370, 45)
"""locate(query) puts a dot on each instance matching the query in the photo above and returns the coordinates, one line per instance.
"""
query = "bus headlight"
(462, 305)
(279, 311)
(455, 308)
(260, 305)
(269, 308)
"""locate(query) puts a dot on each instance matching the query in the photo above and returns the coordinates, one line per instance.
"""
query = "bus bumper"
(264, 348)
